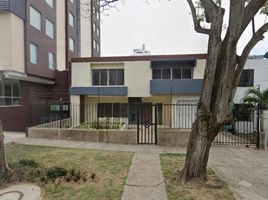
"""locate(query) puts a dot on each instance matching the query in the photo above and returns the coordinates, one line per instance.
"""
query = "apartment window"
(108, 77)
(51, 60)
(71, 44)
(247, 78)
(33, 53)
(98, 31)
(94, 27)
(72, 1)
(98, 15)
(50, 3)
(172, 73)
(98, 48)
(94, 44)
(9, 92)
(35, 18)
(50, 29)
(71, 19)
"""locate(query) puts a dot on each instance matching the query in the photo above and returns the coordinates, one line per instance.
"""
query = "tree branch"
(258, 36)
(251, 10)
(197, 25)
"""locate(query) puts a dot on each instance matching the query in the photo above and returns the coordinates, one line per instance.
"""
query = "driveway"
(12, 136)
(244, 169)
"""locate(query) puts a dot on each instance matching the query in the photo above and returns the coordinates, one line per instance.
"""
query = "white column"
(75, 110)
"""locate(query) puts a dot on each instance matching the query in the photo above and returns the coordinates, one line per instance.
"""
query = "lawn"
(170, 163)
(104, 173)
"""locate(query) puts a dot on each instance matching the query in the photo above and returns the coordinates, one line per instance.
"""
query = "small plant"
(56, 172)
(28, 163)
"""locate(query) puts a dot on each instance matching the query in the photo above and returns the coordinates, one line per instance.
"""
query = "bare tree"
(3, 161)
(223, 70)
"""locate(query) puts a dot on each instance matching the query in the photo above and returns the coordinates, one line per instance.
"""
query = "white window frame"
(34, 21)
(71, 47)
(51, 63)
(49, 33)
(50, 3)
(36, 59)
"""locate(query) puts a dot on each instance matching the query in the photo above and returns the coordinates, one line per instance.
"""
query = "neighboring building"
(106, 82)
(141, 52)
(254, 75)
(38, 39)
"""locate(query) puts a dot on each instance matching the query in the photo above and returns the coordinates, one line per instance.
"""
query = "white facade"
(260, 67)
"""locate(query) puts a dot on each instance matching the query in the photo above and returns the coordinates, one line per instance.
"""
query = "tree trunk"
(3, 161)
(198, 148)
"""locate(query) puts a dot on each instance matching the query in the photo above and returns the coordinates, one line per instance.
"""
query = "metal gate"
(245, 130)
(147, 118)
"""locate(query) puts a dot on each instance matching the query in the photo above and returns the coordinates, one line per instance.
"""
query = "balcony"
(178, 86)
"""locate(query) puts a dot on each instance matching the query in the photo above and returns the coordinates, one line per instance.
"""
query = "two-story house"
(111, 85)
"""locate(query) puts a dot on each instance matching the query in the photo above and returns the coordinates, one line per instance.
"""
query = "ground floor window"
(10, 92)
(112, 110)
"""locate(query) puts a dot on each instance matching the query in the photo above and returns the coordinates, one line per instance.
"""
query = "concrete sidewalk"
(145, 180)
(244, 169)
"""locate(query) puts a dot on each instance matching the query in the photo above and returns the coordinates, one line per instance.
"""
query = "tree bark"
(222, 74)
(3, 160)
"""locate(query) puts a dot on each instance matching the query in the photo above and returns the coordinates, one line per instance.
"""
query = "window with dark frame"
(173, 73)
(107, 77)
(9, 93)
(118, 110)
(247, 78)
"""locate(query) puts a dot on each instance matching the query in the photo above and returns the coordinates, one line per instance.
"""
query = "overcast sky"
(164, 26)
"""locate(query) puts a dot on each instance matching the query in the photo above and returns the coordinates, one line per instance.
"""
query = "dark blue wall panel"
(169, 87)
(102, 91)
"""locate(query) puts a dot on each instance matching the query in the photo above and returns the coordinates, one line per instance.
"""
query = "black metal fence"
(243, 131)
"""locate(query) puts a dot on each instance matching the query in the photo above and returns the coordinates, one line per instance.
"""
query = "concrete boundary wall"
(166, 137)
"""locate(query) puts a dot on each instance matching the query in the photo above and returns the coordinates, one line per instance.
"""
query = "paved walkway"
(145, 180)
(244, 169)
(21, 192)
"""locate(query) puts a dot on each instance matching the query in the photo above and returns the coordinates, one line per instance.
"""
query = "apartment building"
(38, 39)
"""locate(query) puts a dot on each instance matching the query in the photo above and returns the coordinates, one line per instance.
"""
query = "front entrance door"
(147, 123)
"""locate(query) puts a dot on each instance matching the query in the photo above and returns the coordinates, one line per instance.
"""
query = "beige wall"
(81, 75)
(137, 77)
(199, 70)
(85, 29)
(11, 42)
(61, 46)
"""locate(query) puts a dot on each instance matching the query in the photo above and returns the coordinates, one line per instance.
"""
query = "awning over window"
(173, 63)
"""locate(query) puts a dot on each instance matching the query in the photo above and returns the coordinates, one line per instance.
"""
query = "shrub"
(56, 172)
(29, 163)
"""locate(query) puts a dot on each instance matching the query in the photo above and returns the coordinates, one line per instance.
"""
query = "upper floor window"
(71, 19)
(9, 92)
(35, 18)
(51, 60)
(94, 44)
(72, 1)
(108, 77)
(50, 29)
(98, 31)
(33, 53)
(247, 78)
(173, 73)
(71, 44)
(98, 48)
(50, 3)
(94, 27)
